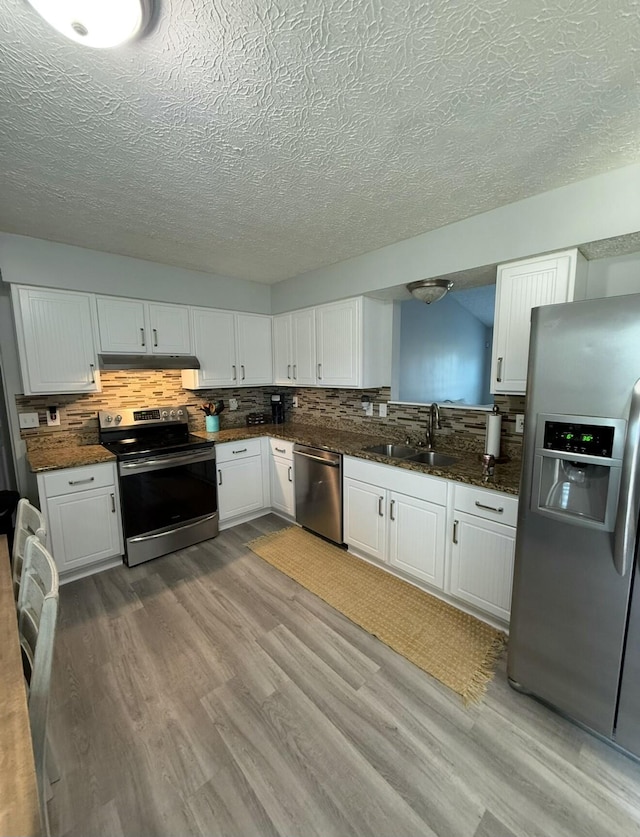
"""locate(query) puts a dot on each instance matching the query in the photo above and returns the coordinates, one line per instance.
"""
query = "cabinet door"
(121, 325)
(55, 336)
(282, 352)
(482, 563)
(338, 357)
(416, 537)
(255, 365)
(519, 288)
(303, 339)
(214, 344)
(240, 487)
(282, 492)
(365, 519)
(170, 331)
(84, 527)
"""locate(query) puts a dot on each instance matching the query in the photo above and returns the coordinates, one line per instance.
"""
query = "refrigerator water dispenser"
(576, 475)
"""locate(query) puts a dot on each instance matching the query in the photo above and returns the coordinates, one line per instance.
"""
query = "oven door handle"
(139, 466)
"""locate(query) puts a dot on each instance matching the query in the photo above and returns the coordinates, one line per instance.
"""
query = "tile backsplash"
(331, 408)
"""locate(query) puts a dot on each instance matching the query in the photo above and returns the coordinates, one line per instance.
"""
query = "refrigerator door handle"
(624, 536)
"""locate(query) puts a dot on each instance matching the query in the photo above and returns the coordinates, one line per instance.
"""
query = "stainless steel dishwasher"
(318, 482)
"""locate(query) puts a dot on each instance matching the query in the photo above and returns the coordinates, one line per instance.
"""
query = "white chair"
(29, 521)
(37, 613)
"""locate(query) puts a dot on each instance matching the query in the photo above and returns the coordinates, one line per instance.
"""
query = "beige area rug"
(454, 647)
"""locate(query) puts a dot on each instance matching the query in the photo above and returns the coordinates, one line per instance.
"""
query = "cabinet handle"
(142, 341)
(155, 336)
(319, 371)
(280, 450)
(219, 477)
(235, 376)
(289, 371)
(290, 476)
(499, 370)
(113, 503)
(295, 371)
(242, 367)
(455, 531)
(380, 502)
(498, 509)
(242, 450)
(80, 482)
(93, 373)
(391, 505)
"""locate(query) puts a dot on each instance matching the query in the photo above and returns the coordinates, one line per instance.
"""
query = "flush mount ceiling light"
(95, 23)
(429, 290)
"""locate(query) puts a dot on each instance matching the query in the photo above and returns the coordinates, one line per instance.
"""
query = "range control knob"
(164, 414)
(180, 413)
(118, 419)
(108, 419)
(172, 414)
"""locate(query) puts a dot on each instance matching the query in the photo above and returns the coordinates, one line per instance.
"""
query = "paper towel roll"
(494, 426)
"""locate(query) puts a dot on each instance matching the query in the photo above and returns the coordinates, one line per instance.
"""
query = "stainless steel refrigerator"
(575, 620)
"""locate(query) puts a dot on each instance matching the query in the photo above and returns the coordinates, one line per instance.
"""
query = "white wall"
(601, 207)
(614, 277)
(32, 261)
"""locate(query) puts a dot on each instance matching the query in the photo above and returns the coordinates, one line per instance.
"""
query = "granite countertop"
(66, 454)
(51, 454)
(467, 469)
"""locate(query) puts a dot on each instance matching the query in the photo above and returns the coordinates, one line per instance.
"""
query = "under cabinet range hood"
(113, 363)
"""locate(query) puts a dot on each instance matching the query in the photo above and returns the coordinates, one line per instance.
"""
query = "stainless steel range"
(167, 480)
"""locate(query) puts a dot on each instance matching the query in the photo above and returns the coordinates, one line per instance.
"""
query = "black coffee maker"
(277, 409)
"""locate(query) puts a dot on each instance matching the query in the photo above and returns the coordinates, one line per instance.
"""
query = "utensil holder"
(212, 423)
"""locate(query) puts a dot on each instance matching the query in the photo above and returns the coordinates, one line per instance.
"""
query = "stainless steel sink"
(432, 457)
(395, 451)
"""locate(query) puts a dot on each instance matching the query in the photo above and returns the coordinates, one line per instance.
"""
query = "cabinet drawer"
(70, 480)
(228, 451)
(490, 505)
(280, 448)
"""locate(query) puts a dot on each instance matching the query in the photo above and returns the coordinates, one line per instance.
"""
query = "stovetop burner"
(133, 434)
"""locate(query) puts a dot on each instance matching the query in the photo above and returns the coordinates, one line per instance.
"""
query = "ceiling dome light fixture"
(429, 290)
(96, 23)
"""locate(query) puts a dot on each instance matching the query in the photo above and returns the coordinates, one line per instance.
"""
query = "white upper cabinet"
(170, 331)
(253, 349)
(233, 349)
(131, 326)
(294, 348)
(353, 343)
(55, 340)
(520, 287)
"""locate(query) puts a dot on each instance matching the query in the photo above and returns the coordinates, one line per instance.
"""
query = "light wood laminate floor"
(205, 693)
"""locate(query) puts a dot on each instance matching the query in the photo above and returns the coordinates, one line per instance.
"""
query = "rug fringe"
(486, 671)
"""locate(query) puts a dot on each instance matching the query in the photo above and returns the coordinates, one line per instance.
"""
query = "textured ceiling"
(264, 138)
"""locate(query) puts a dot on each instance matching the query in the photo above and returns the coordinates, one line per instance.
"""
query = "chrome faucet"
(433, 424)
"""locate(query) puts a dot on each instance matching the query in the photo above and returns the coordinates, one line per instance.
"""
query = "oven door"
(168, 503)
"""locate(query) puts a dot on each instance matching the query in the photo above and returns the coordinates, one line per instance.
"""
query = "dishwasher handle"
(330, 462)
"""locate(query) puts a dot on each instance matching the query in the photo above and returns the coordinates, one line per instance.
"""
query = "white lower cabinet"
(483, 542)
(82, 508)
(396, 516)
(283, 498)
(241, 479)
(401, 518)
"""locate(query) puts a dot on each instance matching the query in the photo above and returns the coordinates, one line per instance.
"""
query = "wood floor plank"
(205, 693)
